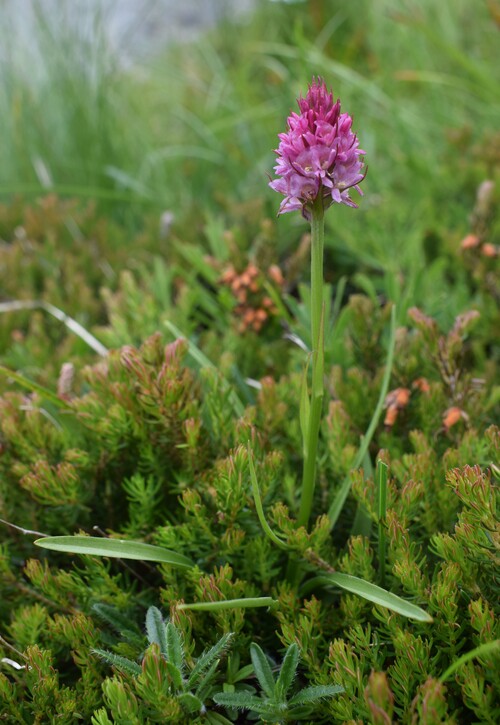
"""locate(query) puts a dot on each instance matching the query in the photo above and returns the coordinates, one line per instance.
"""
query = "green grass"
(194, 129)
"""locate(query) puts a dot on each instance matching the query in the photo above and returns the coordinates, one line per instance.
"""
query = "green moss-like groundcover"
(146, 445)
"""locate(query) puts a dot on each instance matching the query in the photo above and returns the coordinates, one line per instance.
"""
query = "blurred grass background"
(191, 129)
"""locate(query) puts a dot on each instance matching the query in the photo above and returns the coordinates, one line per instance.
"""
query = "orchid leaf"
(377, 595)
(114, 548)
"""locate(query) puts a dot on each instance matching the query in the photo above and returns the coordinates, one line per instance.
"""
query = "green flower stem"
(318, 356)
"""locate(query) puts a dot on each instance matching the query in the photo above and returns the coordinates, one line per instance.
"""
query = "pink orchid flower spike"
(318, 155)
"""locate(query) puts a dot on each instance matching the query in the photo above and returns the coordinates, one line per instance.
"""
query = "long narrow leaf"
(258, 504)
(205, 684)
(362, 524)
(33, 387)
(377, 595)
(381, 477)
(70, 323)
(262, 669)
(482, 651)
(204, 362)
(175, 675)
(247, 603)
(343, 492)
(338, 298)
(114, 548)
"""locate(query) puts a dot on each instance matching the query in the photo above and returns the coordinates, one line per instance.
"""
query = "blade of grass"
(71, 324)
(204, 362)
(362, 524)
(35, 388)
(481, 651)
(381, 478)
(339, 293)
(258, 504)
(343, 492)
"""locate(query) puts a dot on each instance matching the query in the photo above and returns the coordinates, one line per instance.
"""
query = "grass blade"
(258, 504)
(343, 492)
(381, 478)
(33, 387)
(70, 323)
(481, 651)
(204, 362)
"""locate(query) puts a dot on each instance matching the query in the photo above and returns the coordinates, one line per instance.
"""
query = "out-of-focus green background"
(189, 128)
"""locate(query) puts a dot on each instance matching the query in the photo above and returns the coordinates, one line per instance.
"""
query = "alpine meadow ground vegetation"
(249, 466)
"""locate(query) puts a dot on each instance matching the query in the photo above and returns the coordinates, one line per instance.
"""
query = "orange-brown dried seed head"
(452, 416)
(489, 250)
(471, 241)
(275, 274)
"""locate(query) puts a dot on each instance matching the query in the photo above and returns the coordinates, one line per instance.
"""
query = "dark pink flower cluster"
(318, 155)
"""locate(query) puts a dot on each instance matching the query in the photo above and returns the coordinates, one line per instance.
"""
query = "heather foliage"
(184, 430)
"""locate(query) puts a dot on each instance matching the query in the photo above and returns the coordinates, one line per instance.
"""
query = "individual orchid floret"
(318, 155)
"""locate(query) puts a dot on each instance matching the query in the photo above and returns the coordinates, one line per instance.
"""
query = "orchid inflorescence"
(318, 154)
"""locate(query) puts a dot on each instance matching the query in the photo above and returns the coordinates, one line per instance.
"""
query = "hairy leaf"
(241, 701)
(121, 663)
(155, 629)
(314, 693)
(262, 669)
(173, 650)
(287, 671)
(206, 659)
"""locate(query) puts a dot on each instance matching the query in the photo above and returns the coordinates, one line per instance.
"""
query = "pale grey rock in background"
(134, 28)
